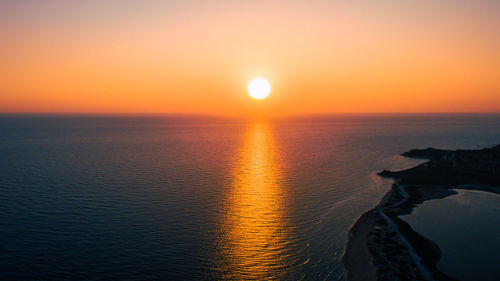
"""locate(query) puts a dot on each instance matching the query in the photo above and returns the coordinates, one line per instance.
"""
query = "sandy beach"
(381, 246)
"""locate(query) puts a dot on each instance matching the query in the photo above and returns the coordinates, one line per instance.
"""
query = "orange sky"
(197, 57)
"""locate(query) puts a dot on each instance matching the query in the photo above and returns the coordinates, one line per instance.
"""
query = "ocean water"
(466, 228)
(185, 198)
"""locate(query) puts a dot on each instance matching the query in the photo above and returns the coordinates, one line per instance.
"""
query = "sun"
(259, 88)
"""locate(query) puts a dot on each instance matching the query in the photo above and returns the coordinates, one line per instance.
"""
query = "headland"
(381, 246)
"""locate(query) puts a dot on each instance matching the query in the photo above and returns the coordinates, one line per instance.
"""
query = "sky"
(123, 56)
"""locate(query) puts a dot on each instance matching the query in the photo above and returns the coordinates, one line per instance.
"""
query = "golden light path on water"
(253, 240)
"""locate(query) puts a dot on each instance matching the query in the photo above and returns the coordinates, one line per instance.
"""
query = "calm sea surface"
(144, 198)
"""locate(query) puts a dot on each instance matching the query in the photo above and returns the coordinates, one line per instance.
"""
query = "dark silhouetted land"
(381, 246)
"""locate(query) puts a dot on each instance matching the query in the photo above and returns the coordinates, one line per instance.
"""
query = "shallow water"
(466, 228)
(141, 198)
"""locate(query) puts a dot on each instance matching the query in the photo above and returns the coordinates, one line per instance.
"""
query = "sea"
(177, 197)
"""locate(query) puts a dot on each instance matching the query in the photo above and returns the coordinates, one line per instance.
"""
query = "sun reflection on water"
(253, 230)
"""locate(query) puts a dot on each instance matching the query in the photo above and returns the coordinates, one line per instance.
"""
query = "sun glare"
(259, 88)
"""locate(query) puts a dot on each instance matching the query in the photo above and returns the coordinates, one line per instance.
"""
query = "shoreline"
(381, 246)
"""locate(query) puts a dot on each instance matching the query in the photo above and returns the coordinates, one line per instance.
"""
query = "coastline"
(381, 246)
